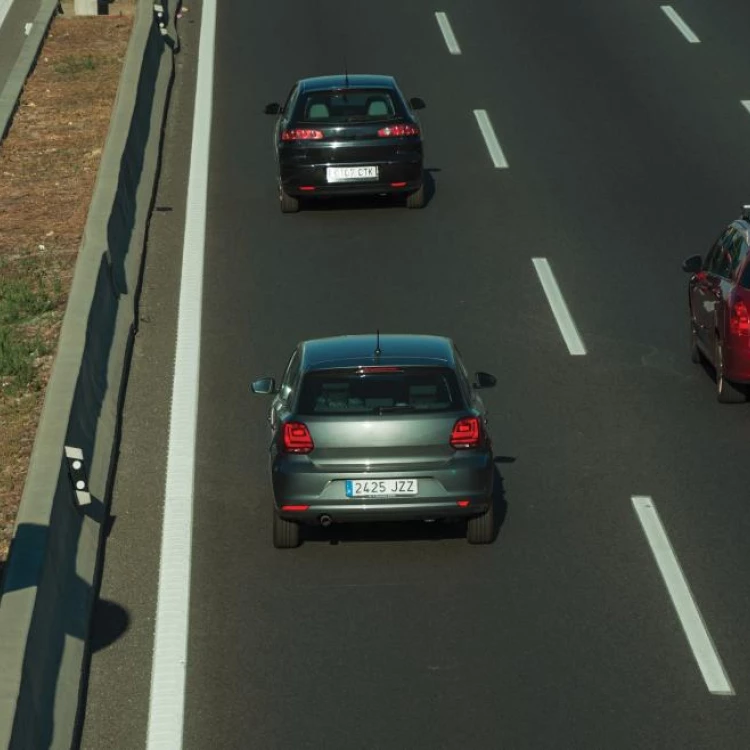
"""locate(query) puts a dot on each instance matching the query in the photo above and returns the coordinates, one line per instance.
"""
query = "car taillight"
(301, 134)
(296, 438)
(739, 319)
(396, 131)
(467, 433)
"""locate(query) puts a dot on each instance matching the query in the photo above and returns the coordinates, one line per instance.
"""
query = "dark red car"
(719, 298)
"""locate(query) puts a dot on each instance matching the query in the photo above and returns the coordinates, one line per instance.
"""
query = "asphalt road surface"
(627, 149)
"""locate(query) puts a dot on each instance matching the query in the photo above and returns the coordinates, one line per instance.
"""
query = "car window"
(348, 105)
(290, 374)
(738, 254)
(721, 259)
(464, 380)
(350, 391)
(290, 98)
(744, 279)
(711, 260)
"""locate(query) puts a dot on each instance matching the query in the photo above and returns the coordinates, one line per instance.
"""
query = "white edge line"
(564, 319)
(450, 38)
(488, 132)
(167, 700)
(746, 104)
(703, 648)
(676, 19)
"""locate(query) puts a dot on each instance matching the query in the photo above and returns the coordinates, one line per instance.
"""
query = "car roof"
(395, 349)
(341, 81)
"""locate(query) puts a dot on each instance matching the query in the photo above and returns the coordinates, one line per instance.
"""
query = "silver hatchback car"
(379, 428)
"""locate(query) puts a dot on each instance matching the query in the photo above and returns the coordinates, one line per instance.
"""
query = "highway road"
(612, 611)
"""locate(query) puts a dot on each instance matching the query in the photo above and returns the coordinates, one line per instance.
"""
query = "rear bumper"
(394, 176)
(299, 483)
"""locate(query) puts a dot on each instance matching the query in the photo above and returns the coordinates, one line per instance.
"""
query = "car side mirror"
(264, 386)
(274, 108)
(694, 264)
(417, 103)
(484, 380)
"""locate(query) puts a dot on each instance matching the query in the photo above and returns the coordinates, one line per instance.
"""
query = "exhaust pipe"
(325, 520)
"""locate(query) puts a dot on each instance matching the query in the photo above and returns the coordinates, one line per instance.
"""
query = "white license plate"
(381, 487)
(345, 174)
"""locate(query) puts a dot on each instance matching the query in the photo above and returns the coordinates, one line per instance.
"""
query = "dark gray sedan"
(379, 428)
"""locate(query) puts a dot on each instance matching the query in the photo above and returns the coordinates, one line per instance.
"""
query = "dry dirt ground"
(48, 165)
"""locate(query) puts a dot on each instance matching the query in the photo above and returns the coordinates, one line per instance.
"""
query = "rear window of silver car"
(411, 389)
(348, 105)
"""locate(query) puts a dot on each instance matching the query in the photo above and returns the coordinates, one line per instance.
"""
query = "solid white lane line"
(559, 309)
(448, 35)
(699, 638)
(746, 104)
(675, 18)
(167, 702)
(496, 153)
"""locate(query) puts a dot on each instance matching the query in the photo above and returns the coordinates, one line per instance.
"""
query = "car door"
(705, 292)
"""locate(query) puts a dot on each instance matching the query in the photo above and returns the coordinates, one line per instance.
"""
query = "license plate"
(345, 174)
(381, 487)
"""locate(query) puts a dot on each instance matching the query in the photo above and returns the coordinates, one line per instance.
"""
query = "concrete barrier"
(54, 566)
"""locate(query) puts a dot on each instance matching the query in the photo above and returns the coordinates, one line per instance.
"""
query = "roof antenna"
(346, 74)
(377, 344)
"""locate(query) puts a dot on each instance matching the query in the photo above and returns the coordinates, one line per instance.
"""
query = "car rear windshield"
(348, 105)
(372, 391)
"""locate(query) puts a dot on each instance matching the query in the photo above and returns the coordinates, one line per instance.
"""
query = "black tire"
(289, 204)
(481, 529)
(695, 352)
(416, 199)
(286, 534)
(727, 392)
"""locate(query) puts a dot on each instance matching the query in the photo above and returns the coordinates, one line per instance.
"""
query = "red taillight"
(466, 433)
(739, 319)
(398, 184)
(301, 134)
(396, 131)
(463, 503)
(377, 369)
(297, 438)
(295, 508)
(307, 187)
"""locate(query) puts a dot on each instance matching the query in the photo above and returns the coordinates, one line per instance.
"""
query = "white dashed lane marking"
(701, 644)
(450, 38)
(675, 18)
(560, 310)
(488, 133)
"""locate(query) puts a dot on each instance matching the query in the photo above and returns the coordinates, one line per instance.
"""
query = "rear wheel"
(289, 204)
(726, 391)
(416, 199)
(481, 529)
(286, 534)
